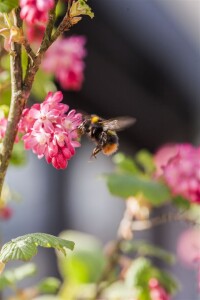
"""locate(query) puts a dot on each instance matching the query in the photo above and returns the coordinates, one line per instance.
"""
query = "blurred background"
(143, 61)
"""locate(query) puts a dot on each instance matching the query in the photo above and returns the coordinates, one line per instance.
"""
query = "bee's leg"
(95, 151)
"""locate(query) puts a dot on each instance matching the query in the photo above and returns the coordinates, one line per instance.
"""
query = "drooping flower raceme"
(49, 131)
(34, 11)
(64, 59)
(181, 171)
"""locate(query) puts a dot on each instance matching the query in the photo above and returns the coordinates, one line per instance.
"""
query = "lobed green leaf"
(25, 247)
(126, 185)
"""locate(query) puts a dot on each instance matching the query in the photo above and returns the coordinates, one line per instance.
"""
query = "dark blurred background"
(143, 61)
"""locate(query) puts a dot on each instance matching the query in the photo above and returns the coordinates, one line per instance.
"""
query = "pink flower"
(182, 172)
(35, 33)
(188, 249)
(157, 292)
(65, 59)
(35, 11)
(3, 124)
(163, 155)
(49, 132)
(188, 246)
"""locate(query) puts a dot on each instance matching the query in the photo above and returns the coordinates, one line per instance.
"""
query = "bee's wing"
(118, 124)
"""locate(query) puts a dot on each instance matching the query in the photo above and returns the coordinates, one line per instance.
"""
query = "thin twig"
(147, 224)
(29, 50)
(113, 258)
(16, 106)
(64, 25)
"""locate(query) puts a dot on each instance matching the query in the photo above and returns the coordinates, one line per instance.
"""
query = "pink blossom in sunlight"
(65, 59)
(157, 292)
(35, 11)
(182, 172)
(49, 131)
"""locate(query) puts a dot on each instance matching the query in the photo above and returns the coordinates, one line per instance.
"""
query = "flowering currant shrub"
(33, 36)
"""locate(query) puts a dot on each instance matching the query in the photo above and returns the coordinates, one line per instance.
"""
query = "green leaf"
(86, 262)
(181, 203)
(145, 159)
(138, 273)
(124, 185)
(7, 5)
(49, 285)
(12, 276)
(144, 248)
(25, 247)
(168, 282)
(125, 164)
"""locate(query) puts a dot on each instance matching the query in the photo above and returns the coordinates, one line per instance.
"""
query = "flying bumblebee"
(103, 132)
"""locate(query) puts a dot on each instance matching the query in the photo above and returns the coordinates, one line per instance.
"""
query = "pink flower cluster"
(49, 132)
(64, 59)
(181, 170)
(157, 292)
(34, 11)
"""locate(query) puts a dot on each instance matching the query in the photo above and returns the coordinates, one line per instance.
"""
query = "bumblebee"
(103, 132)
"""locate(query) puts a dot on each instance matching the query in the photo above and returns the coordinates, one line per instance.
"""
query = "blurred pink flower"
(163, 155)
(157, 292)
(182, 171)
(49, 132)
(35, 33)
(35, 11)
(5, 213)
(188, 246)
(188, 249)
(3, 124)
(65, 59)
